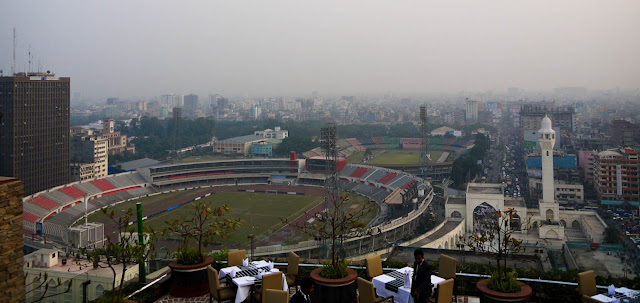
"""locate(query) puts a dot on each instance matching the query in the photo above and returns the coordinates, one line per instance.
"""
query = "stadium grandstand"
(52, 212)
(352, 145)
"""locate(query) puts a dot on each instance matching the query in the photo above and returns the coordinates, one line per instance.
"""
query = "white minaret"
(547, 139)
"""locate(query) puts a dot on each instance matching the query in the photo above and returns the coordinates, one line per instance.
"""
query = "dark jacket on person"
(421, 281)
(298, 297)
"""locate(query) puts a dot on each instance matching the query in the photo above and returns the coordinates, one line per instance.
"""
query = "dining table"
(621, 295)
(246, 276)
(392, 284)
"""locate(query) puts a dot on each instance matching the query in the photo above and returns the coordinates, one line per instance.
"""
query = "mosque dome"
(545, 125)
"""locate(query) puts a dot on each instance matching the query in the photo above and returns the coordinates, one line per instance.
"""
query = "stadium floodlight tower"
(424, 144)
(330, 150)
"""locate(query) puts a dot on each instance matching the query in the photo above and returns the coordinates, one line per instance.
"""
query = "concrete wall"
(11, 254)
(449, 240)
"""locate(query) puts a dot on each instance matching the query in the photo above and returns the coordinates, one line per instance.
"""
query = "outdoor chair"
(587, 283)
(367, 293)
(293, 262)
(269, 281)
(276, 296)
(447, 269)
(234, 258)
(216, 291)
(444, 293)
(374, 266)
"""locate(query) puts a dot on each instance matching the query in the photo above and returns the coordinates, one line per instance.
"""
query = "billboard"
(491, 105)
(529, 145)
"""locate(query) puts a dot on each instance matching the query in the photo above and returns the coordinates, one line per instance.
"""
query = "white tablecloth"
(630, 293)
(404, 293)
(244, 283)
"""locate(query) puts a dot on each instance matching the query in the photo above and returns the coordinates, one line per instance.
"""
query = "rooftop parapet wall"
(11, 254)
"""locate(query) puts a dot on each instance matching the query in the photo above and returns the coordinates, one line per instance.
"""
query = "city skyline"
(288, 48)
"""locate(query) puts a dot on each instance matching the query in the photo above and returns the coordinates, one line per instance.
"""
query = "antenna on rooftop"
(28, 71)
(13, 67)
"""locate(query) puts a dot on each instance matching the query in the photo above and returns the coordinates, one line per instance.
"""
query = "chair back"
(374, 266)
(587, 283)
(293, 261)
(445, 292)
(235, 258)
(214, 283)
(271, 281)
(276, 296)
(447, 267)
(366, 291)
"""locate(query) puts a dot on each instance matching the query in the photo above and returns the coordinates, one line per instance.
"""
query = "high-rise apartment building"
(615, 174)
(191, 102)
(34, 129)
(471, 113)
(89, 157)
(563, 116)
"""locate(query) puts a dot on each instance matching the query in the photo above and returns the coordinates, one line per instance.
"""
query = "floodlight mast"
(424, 144)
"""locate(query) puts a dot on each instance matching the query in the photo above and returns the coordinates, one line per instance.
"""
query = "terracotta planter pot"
(335, 290)
(489, 295)
(189, 281)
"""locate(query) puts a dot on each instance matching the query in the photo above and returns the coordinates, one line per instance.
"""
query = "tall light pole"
(251, 237)
(86, 207)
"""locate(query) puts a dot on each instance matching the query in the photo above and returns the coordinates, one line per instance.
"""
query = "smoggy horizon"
(149, 48)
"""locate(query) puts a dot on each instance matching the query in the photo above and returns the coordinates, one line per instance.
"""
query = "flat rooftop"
(242, 139)
(514, 202)
(456, 200)
(485, 188)
(83, 266)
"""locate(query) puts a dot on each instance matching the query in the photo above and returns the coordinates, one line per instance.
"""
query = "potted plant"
(496, 239)
(335, 281)
(203, 226)
(339, 221)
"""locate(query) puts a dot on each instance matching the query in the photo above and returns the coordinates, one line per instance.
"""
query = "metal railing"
(461, 274)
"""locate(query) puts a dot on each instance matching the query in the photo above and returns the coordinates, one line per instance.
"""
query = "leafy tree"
(42, 283)
(338, 223)
(124, 251)
(466, 166)
(204, 226)
(296, 143)
(497, 240)
(611, 235)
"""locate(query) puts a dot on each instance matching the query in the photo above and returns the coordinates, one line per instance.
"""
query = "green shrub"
(336, 271)
(188, 256)
(221, 255)
(507, 284)
(394, 264)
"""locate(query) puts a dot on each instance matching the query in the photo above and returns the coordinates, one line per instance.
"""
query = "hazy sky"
(147, 48)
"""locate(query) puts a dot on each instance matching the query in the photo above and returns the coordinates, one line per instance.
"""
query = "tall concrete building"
(117, 142)
(531, 114)
(190, 103)
(34, 129)
(471, 112)
(89, 157)
(547, 138)
(615, 174)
